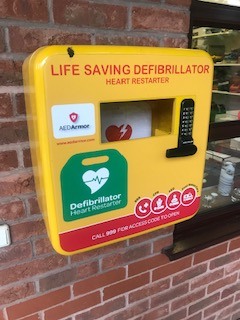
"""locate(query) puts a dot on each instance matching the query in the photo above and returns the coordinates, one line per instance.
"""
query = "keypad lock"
(186, 145)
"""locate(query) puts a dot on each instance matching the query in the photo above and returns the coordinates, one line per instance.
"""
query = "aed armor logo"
(67, 123)
(73, 117)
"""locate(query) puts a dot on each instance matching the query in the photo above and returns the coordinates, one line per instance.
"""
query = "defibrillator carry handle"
(181, 152)
(186, 145)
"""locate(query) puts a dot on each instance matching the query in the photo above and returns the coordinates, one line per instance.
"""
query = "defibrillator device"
(118, 139)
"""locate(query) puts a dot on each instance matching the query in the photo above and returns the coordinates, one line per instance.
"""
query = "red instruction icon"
(188, 196)
(159, 203)
(174, 200)
(143, 208)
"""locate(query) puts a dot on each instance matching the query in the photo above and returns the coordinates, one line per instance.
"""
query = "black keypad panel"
(186, 122)
(185, 146)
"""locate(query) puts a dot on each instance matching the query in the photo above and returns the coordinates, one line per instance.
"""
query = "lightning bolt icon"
(123, 130)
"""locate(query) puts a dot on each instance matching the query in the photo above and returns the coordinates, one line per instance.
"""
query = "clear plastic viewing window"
(135, 119)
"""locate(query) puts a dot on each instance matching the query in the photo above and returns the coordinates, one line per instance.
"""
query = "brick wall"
(127, 280)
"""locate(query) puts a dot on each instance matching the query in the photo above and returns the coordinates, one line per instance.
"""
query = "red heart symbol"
(114, 133)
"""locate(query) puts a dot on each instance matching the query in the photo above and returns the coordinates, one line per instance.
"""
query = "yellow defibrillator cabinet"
(118, 138)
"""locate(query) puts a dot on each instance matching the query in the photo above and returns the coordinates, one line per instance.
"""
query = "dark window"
(215, 28)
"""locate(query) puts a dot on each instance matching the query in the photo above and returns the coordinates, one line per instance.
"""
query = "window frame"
(197, 233)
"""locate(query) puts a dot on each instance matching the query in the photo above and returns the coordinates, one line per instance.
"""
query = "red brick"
(161, 234)
(130, 312)
(11, 211)
(220, 284)
(210, 253)
(125, 286)
(42, 246)
(20, 103)
(31, 268)
(230, 310)
(29, 39)
(73, 306)
(207, 278)
(85, 256)
(186, 3)
(224, 260)
(197, 316)
(187, 299)
(168, 295)
(2, 41)
(10, 72)
(170, 42)
(33, 206)
(69, 38)
(230, 290)
(102, 251)
(32, 317)
(15, 253)
(178, 315)
(232, 267)
(112, 261)
(27, 229)
(134, 253)
(87, 269)
(189, 274)
(42, 302)
(127, 40)
(234, 244)
(156, 19)
(218, 306)
(2, 316)
(103, 310)
(158, 313)
(15, 184)
(171, 268)
(89, 14)
(147, 264)
(99, 281)
(161, 243)
(17, 292)
(204, 303)
(6, 109)
(13, 132)
(150, 290)
(25, 10)
(58, 279)
(8, 160)
(235, 308)
(27, 161)
(109, 249)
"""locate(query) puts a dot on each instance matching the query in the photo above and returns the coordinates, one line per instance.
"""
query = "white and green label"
(96, 188)
(73, 120)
